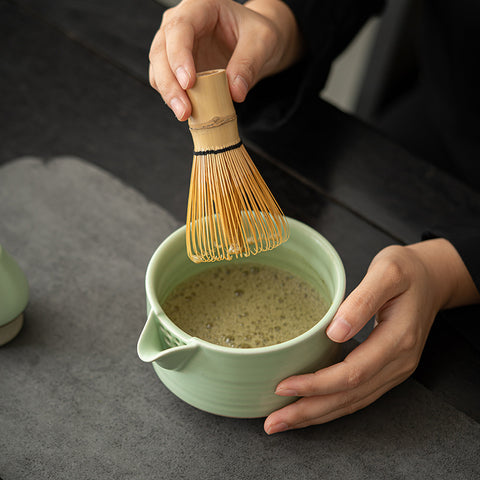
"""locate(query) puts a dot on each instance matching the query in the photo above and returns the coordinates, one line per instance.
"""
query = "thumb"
(383, 281)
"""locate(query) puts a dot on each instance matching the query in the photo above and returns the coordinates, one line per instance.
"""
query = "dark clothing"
(448, 89)
(447, 92)
(448, 53)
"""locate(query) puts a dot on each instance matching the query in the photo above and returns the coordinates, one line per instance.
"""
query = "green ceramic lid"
(13, 288)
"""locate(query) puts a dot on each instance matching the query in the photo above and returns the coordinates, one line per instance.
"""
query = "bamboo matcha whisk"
(231, 212)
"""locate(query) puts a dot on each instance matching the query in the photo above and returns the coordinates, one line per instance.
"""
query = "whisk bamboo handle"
(213, 123)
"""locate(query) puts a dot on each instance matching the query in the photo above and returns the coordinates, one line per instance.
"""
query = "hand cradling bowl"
(238, 382)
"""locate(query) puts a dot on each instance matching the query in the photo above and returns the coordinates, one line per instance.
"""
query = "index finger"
(163, 80)
(180, 27)
(179, 42)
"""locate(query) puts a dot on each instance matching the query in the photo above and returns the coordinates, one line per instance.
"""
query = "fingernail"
(286, 392)
(241, 85)
(339, 330)
(277, 427)
(182, 76)
(178, 107)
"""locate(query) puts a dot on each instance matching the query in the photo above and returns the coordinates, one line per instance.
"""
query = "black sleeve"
(327, 26)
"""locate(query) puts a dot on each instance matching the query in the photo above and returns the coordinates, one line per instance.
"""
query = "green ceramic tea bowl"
(238, 382)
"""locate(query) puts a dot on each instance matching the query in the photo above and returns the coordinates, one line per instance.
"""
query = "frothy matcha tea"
(245, 305)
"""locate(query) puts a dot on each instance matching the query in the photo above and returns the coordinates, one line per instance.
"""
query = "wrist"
(450, 278)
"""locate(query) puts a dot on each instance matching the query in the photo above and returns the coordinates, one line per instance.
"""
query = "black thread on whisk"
(220, 150)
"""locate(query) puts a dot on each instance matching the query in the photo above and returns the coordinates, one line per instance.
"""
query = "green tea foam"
(245, 305)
